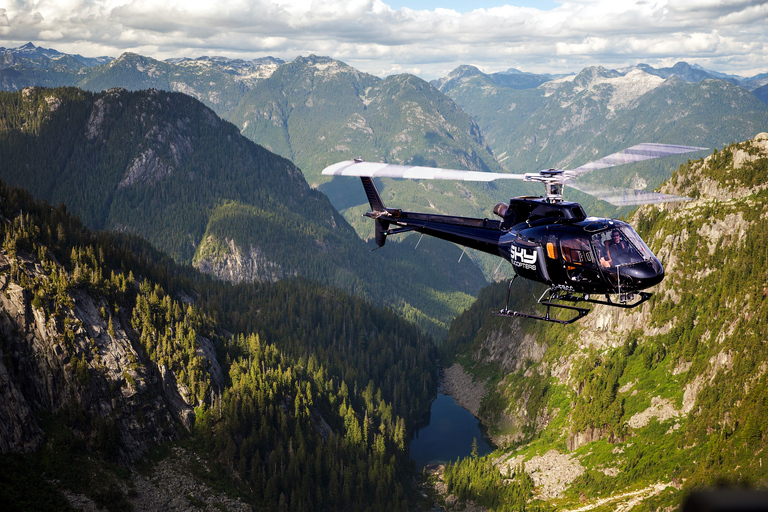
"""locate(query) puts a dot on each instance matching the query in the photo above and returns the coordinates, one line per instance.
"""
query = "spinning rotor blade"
(638, 153)
(550, 177)
(380, 170)
(627, 196)
(624, 196)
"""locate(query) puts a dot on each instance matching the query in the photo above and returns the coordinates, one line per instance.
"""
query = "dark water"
(447, 434)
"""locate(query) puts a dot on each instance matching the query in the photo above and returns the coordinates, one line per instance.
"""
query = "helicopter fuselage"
(573, 256)
(552, 243)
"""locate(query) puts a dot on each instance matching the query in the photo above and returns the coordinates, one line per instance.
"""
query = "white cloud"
(727, 35)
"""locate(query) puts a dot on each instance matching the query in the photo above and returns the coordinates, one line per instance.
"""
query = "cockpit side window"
(619, 246)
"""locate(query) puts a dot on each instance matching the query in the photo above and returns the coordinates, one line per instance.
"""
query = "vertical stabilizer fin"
(374, 198)
(377, 205)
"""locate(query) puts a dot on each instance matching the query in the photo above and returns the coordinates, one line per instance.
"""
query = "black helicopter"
(546, 239)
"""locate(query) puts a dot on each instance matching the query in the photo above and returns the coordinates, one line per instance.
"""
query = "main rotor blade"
(381, 170)
(638, 153)
(627, 196)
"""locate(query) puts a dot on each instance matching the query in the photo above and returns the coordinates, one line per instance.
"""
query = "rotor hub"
(553, 180)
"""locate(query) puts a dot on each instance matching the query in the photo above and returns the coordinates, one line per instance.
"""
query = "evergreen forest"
(319, 390)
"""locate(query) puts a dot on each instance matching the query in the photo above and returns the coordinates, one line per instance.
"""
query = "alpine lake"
(446, 434)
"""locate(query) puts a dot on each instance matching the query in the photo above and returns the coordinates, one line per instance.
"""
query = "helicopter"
(546, 239)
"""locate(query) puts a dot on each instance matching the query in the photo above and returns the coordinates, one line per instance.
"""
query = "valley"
(108, 351)
(187, 304)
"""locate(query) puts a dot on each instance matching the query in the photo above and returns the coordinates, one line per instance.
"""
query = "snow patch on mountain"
(624, 90)
(628, 88)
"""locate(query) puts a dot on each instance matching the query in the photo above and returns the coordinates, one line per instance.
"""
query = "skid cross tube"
(554, 294)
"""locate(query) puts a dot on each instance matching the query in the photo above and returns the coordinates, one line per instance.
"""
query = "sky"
(428, 38)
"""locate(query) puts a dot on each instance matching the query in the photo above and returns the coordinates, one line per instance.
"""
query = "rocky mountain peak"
(464, 71)
(681, 70)
(131, 58)
(319, 61)
(595, 74)
(458, 75)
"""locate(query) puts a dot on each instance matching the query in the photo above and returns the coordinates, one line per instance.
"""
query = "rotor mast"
(553, 180)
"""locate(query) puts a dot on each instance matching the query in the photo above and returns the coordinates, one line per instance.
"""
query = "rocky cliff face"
(237, 265)
(79, 364)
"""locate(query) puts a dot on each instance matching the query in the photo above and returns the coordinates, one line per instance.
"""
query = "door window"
(577, 250)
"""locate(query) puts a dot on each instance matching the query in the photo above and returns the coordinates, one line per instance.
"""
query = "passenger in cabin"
(603, 257)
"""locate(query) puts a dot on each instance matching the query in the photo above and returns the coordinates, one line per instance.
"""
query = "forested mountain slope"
(293, 396)
(165, 167)
(641, 406)
(314, 110)
(318, 111)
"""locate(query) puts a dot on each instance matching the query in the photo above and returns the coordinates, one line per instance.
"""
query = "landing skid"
(580, 313)
(557, 293)
(627, 302)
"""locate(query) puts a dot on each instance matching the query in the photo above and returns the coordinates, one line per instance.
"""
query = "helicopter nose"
(643, 275)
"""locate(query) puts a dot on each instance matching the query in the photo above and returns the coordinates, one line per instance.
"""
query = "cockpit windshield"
(619, 245)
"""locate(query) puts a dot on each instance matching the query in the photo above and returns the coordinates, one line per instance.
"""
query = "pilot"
(618, 249)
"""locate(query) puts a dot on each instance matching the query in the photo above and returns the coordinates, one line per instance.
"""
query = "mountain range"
(565, 120)
(29, 56)
(218, 82)
(46, 57)
(316, 111)
(290, 390)
(163, 166)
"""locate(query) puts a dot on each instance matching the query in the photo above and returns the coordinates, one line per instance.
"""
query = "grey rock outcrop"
(237, 265)
(73, 363)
